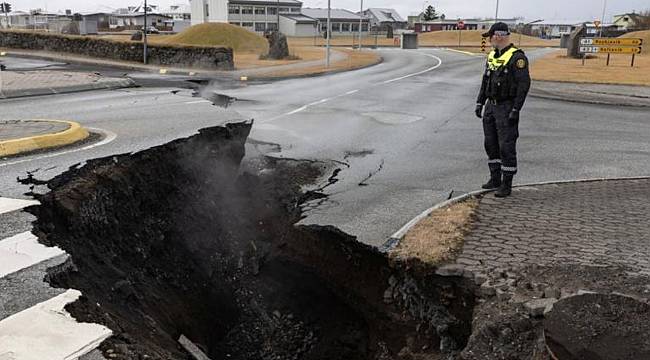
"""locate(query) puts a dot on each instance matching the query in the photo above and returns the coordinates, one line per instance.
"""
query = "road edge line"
(73, 134)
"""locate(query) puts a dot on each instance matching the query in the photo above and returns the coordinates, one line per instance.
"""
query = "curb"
(72, 135)
(105, 85)
(307, 76)
(395, 239)
(542, 94)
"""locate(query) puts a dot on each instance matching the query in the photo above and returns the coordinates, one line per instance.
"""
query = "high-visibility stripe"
(495, 63)
(495, 161)
(508, 169)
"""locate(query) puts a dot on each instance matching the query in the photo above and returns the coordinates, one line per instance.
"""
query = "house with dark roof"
(382, 18)
(630, 22)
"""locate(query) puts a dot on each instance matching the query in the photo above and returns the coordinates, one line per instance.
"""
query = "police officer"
(506, 82)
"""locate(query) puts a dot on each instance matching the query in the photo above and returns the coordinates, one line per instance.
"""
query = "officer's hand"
(479, 111)
(513, 118)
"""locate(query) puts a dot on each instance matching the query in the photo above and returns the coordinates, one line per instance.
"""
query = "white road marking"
(22, 251)
(109, 137)
(8, 205)
(419, 72)
(305, 107)
(47, 331)
(196, 102)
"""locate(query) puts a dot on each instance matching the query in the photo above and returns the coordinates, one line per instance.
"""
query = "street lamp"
(530, 23)
(360, 23)
(602, 21)
(144, 33)
(328, 31)
(496, 15)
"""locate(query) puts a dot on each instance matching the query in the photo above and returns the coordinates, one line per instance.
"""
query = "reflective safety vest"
(494, 63)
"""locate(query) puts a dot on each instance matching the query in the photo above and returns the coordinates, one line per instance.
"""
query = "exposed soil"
(188, 239)
(599, 327)
(178, 239)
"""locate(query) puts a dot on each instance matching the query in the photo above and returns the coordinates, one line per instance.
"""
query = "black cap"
(499, 28)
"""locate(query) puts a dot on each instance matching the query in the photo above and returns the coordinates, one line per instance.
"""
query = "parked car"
(152, 30)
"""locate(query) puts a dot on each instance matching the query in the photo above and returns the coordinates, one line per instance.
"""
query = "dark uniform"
(506, 82)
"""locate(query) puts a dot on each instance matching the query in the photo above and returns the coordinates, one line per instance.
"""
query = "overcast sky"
(531, 10)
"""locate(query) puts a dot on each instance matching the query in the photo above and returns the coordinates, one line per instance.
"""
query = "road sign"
(597, 23)
(611, 41)
(461, 24)
(610, 50)
(483, 44)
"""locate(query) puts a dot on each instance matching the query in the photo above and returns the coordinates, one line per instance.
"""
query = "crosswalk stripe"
(22, 251)
(8, 205)
(47, 331)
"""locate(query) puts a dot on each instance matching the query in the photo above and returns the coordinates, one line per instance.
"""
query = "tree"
(644, 20)
(430, 14)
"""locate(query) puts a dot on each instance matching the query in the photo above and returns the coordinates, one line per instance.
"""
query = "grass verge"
(438, 238)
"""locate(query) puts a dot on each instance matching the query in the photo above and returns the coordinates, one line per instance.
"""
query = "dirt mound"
(179, 239)
(218, 34)
(473, 37)
(599, 327)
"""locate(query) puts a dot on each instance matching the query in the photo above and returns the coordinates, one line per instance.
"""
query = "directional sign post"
(610, 46)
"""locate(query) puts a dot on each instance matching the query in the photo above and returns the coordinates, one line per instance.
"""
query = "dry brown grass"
(557, 66)
(355, 60)
(439, 238)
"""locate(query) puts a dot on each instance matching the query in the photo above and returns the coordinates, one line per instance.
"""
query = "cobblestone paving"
(596, 223)
(16, 129)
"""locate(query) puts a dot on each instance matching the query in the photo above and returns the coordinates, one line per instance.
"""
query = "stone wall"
(214, 58)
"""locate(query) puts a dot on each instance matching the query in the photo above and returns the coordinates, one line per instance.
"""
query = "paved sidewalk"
(627, 95)
(600, 223)
(30, 83)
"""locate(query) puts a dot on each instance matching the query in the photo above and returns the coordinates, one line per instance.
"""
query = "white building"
(383, 18)
(554, 28)
(343, 22)
(255, 15)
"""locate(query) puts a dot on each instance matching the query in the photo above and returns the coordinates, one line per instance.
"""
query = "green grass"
(219, 34)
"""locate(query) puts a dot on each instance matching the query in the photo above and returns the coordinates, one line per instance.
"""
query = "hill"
(219, 34)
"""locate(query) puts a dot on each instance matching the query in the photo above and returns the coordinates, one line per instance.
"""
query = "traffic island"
(186, 241)
(24, 136)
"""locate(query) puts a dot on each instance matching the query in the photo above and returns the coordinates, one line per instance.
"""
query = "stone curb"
(73, 134)
(395, 239)
(103, 85)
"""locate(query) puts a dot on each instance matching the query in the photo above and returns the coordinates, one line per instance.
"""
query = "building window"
(364, 27)
(247, 10)
(295, 10)
(284, 10)
(247, 24)
(323, 27)
(355, 27)
(234, 9)
(237, 23)
(271, 26)
(207, 10)
(272, 11)
(345, 27)
(260, 26)
(260, 11)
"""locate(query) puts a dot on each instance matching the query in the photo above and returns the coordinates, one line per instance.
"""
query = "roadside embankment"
(203, 57)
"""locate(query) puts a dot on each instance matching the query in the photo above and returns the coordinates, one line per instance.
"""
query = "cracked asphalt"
(403, 131)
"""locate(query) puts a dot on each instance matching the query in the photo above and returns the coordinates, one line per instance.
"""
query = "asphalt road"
(405, 130)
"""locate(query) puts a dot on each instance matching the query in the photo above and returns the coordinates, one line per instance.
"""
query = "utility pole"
(496, 15)
(144, 33)
(277, 11)
(602, 20)
(328, 31)
(361, 23)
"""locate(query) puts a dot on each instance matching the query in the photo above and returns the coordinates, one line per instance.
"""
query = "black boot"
(506, 187)
(495, 181)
